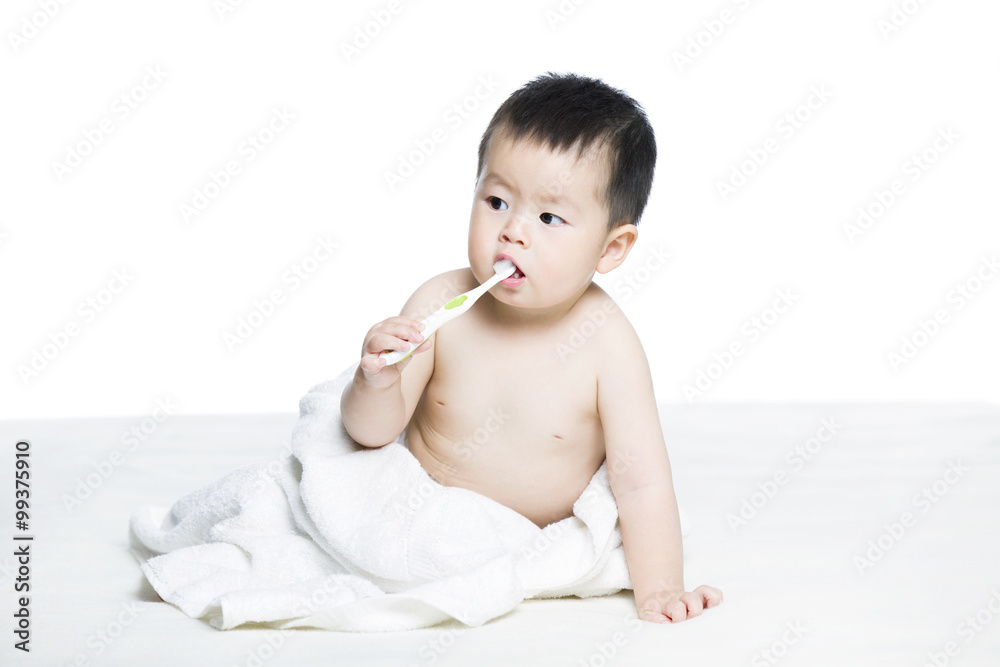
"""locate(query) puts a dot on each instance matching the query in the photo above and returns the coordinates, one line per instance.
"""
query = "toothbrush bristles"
(504, 265)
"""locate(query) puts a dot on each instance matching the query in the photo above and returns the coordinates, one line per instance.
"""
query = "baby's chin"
(521, 296)
(528, 296)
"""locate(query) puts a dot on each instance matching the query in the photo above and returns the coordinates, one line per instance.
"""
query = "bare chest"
(526, 394)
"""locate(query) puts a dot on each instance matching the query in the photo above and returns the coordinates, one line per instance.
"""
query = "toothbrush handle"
(445, 313)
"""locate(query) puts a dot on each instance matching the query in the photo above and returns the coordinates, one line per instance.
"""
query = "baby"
(565, 169)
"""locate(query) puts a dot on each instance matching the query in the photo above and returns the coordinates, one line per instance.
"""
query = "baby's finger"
(424, 346)
(401, 329)
(410, 332)
(653, 616)
(676, 611)
(407, 323)
(400, 319)
(372, 363)
(694, 603)
(711, 595)
(383, 341)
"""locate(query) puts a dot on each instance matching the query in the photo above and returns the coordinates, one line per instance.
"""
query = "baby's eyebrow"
(496, 178)
(553, 198)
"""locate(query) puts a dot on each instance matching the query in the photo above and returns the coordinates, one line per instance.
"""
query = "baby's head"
(565, 169)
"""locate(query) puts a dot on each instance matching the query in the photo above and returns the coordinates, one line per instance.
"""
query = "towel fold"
(337, 536)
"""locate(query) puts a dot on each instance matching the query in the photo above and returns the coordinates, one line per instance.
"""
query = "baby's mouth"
(518, 273)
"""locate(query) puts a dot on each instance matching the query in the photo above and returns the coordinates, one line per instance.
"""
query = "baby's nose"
(516, 228)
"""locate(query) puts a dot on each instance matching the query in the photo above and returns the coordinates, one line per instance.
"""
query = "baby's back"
(508, 413)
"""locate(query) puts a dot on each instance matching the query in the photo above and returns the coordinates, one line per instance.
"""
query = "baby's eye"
(496, 203)
(548, 218)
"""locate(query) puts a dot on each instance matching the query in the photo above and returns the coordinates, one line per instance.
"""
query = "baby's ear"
(617, 246)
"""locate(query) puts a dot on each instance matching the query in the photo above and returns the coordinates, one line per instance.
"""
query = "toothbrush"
(455, 307)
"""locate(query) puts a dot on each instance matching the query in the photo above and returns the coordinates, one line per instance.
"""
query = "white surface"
(791, 564)
(324, 176)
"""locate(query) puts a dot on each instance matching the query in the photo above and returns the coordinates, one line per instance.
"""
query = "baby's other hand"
(674, 607)
(394, 333)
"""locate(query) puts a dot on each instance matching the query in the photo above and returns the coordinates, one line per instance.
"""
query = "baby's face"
(541, 209)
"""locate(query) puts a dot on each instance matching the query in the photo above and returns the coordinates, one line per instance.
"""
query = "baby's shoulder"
(597, 316)
(437, 291)
(603, 312)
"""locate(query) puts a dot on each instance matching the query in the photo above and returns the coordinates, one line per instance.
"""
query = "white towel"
(333, 535)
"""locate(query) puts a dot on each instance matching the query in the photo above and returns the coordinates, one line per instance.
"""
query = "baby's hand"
(674, 607)
(394, 333)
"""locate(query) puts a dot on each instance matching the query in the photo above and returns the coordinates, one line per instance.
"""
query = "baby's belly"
(537, 472)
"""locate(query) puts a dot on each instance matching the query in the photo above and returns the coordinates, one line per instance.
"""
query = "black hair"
(567, 110)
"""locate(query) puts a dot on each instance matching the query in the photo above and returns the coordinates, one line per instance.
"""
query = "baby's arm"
(639, 474)
(377, 404)
(372, 414)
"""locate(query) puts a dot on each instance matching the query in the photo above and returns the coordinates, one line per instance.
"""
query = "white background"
(162, 336)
